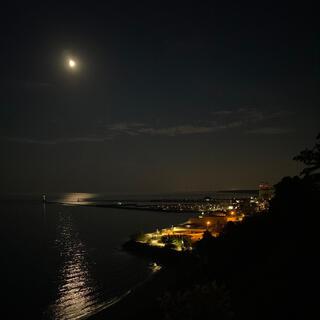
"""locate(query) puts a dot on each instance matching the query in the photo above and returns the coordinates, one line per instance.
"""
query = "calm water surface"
(66, 262)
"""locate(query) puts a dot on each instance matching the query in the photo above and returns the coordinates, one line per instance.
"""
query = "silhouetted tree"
(311, 158)
(207, 235)
(268, 261)
(198, 302)
(206, 244)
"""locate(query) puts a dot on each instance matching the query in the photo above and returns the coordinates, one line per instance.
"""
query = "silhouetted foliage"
(311, 158)
(199, 302)
(206, 244)
(267, 261)
(207, 235)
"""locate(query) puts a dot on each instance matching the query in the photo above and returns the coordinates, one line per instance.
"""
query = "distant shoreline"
(149, 205)
(123, 207)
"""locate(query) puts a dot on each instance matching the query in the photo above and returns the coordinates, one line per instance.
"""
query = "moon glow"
(72, 63)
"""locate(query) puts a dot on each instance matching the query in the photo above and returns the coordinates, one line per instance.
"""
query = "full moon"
(72, 63)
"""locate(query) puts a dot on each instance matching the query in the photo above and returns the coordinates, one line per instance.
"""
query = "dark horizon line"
(34, 193)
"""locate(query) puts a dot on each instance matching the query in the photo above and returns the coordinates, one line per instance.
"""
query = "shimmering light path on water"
(77, 292)
(65, 262)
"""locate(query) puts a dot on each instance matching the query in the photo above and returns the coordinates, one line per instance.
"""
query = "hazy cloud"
(131, 129)
(246, 118)
(270, 131)
(248, 114)
(187, 129)
(176, 130)
(55, 141)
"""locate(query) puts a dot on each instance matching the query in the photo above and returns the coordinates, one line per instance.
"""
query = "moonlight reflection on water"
(78, 294)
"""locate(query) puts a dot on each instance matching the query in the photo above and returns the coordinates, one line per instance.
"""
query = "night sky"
(166, 96)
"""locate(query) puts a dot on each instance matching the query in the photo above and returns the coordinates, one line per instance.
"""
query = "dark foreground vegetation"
(262, 268)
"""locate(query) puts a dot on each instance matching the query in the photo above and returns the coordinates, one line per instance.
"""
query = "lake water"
(66, 262)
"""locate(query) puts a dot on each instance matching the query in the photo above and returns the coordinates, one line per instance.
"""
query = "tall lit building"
(266, 191)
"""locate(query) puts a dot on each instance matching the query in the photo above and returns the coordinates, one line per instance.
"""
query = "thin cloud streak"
(223, 120)
(171, 131)
(129, 129)
(270, 131)
(248, 115)
(54, 141)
